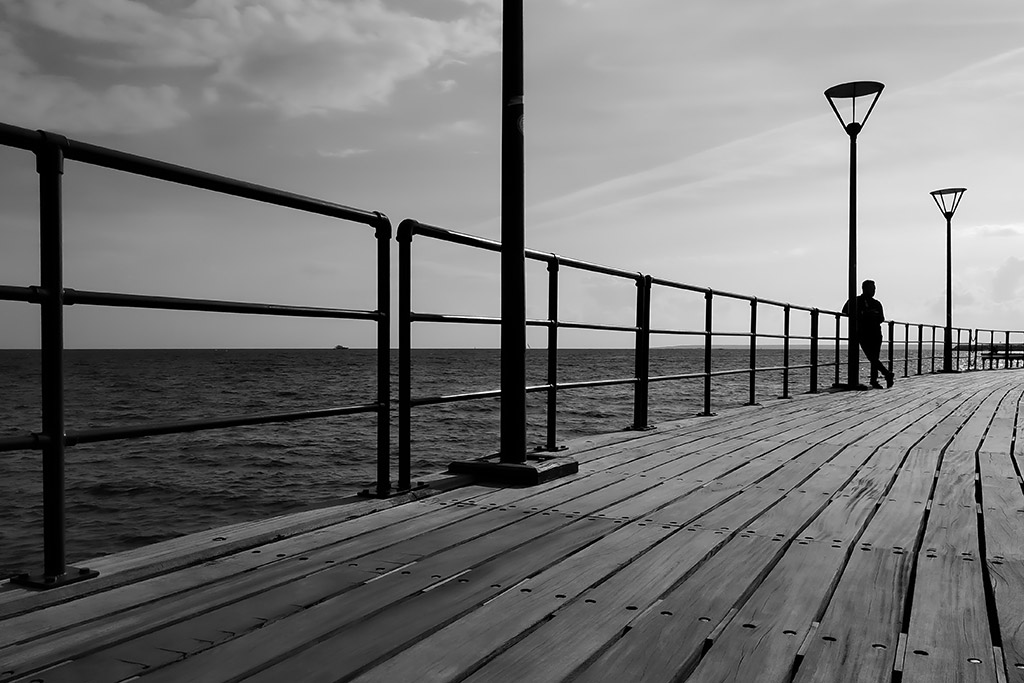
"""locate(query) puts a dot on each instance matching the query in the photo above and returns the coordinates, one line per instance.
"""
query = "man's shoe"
(889, 379)
(875, 384)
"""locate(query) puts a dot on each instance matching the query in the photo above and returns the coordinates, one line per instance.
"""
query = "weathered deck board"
(773, 543)
(1002, 502)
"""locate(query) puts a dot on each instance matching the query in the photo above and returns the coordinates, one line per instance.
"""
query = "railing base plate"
(41, 582)
(535, 470)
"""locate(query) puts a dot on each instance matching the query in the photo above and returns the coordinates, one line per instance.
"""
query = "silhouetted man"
(869, 331)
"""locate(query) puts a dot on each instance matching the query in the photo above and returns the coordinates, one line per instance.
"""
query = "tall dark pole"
(844, 92)
(947, 352)
(513, 240)
(50, 165)
(948, 200)
(853, 353)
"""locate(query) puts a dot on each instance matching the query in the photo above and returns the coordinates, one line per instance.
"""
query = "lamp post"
(513, 248)
(947, 200)
(851, 91)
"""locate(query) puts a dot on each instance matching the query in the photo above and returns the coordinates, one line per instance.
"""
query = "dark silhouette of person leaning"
(869, 331)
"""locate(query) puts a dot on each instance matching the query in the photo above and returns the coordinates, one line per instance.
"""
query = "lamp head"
(948, 199)
(851, 91)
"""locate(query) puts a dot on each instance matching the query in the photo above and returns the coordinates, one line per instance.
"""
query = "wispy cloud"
(341, 153)
(299, 57)
(462, 128)
(31, 98)
(998, 231)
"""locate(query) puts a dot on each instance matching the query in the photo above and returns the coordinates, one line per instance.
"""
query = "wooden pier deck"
(865, 536)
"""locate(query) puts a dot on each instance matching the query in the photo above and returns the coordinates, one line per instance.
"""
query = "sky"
(686, 140)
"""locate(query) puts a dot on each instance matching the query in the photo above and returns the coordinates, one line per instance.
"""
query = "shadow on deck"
(855, 536)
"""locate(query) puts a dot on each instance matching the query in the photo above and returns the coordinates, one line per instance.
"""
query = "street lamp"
(851, 91)
(947, 200)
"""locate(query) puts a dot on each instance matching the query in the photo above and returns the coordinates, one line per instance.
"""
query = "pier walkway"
(868, 536)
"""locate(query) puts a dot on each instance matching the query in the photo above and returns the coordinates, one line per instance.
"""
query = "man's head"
(868, 287)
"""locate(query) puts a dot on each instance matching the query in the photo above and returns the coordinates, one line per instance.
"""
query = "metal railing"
(52, 297)
(920, 343)
(1004, 353)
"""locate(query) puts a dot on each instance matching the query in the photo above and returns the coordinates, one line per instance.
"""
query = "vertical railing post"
(753, 352)
(708, 321)
(814, 351)
(643, 351)
(892, 332)
(405, 234)
(552, 426)
(383, 235)
(1006, 363)
(906, 349)
(933, 349)
(921, 345)
(838, 316)
(785, 351)
(50, 168)
(958, 337)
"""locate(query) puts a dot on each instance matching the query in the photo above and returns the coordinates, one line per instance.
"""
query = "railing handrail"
(36, 140)
(51, 150)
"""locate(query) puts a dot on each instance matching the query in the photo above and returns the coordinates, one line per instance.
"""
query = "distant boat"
(339, 346)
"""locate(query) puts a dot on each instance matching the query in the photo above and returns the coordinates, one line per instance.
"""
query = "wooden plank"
(475, 524)
(1002, 504)
(167, 556)
(284, 559)
(762, 639)
(582, 629)
(353, 643)
(347, 652)
(669, 639)
(858, 633)
(661, 566)
(948, 636)
(262, 645)
(458, 647)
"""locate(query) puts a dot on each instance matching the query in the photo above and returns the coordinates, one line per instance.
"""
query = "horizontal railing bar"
(606, 328)
(699, 333)
(23, 443)
(584, 265)
(444, 318)
(596, 383)
(28, 294)
(472, 319)
(133, 432)
(491, 245)
(182, 175)
(731, 295)
(453, 398)
(22, 138)
(496, 393)
(89, 298)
